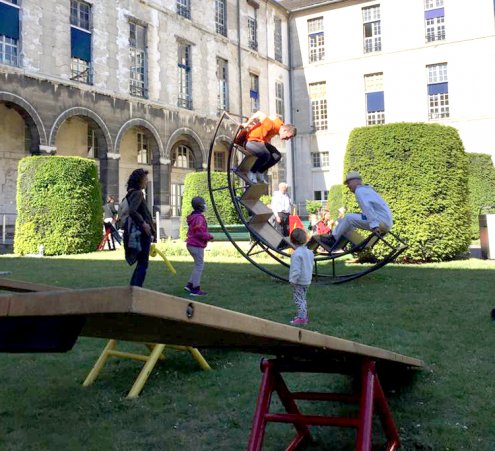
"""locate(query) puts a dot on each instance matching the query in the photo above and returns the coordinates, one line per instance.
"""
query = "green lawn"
(436, 312)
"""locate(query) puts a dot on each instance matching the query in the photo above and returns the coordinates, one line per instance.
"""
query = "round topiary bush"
(59, 206)
(481, 184)
(196, 184)
(421, 171)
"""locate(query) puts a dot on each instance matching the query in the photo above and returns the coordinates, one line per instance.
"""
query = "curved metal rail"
(261, 253)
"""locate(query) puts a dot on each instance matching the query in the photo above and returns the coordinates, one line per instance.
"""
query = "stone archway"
(190, 138)
(31, 118)
(21, 134)
(81, 132)
(138, 144)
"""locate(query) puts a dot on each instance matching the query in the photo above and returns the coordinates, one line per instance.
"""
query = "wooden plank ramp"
(138, 314)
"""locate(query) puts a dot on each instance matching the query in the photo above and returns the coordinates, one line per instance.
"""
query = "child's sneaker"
(299, 321)
(196, 291)
(188, 287)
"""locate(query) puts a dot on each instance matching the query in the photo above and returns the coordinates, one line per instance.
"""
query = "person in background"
(325, 224)
(313, 223)
(300, 274)
(139, 229)
(281, 205)
(109, 210)
(109, 220)
(197, 239)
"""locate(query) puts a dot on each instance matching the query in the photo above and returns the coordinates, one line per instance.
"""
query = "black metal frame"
(258, 243)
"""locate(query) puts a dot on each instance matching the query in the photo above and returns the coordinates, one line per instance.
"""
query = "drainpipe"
(239, 65)
(291, 88)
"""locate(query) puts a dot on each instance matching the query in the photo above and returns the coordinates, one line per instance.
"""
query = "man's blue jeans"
(143, 257)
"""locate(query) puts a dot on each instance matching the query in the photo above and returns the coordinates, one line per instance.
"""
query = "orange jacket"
(265, 131)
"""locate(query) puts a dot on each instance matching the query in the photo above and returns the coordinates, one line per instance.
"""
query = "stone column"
(161, 190)
(109, 175)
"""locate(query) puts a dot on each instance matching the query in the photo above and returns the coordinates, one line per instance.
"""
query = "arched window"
(183, 157)
(143, 149)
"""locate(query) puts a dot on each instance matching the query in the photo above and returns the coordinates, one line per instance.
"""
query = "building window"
(432, 4)
(278, 39)
(279, 99)
(316, 38)
(9, 33)
(252, 33)
(219, 161)
(375, 104)
(223, 85)
(183, 158)
(93, 149)
(438, 91)
(137, 52)
(80, 14)
(221, 17)
(434, 20)
(8, 50)
(372, 29)
(143, 149)
(318, 97)
(185, 82)
(320, 159)
(184, 8)
(254, 92)
(80, 37)
(176, 199)
(320, 195)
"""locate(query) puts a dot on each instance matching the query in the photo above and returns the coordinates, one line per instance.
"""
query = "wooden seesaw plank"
(137, 314)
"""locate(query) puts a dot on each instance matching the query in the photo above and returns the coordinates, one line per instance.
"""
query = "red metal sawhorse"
(370, 398)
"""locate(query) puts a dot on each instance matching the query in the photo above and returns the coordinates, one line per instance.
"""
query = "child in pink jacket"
(197, 239)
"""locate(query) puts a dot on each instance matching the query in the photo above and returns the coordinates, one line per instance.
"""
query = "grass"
(436, 312)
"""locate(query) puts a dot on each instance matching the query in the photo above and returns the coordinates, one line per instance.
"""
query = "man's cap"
(352, 176)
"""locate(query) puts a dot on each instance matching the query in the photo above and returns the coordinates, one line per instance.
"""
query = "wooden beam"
(137, 314)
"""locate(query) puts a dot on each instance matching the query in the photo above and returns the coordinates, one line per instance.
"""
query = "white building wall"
(469, 51)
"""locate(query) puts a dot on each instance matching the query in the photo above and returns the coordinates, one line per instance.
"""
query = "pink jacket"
(197, 234)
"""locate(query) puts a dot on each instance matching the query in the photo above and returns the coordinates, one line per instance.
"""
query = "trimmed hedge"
(59, 206)
(335, 200)
(196, 184)
(421, 170)
(313, 206)
(481, 184)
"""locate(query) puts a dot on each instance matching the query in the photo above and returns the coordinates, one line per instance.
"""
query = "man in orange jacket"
(260, 131)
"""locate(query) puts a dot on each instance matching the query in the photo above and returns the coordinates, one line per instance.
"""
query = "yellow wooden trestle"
(157, 352)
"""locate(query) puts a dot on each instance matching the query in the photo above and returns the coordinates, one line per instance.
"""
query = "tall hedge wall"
(59, 205)
(335, 200)
(481, 187)
(421, 170)
(196, 184)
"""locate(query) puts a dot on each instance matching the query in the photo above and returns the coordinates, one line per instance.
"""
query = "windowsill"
(323, 168)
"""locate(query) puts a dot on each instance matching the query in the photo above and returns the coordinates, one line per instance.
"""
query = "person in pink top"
(197, 239)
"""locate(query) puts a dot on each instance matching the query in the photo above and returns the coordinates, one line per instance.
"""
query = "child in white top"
(300, 274)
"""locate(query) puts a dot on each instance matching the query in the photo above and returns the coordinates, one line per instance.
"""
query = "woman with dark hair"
(139, 228)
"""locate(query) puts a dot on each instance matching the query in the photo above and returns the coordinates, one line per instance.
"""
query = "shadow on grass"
(439, 313)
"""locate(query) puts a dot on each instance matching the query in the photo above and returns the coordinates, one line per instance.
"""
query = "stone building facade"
(135, 84)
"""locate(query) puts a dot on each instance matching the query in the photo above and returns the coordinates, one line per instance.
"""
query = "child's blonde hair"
(298, 237)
